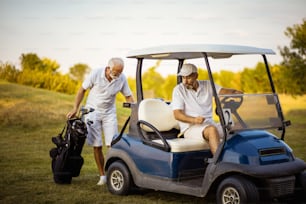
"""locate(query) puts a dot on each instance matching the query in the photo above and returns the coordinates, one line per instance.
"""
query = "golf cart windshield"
(251, 111)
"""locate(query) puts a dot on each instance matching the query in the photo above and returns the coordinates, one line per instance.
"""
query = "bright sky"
(92, 31)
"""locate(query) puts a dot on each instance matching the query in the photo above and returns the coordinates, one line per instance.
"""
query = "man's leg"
(99, 158)
(211, 134)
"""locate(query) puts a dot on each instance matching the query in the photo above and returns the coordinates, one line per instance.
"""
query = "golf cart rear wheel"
(237, 190)
(119, 179)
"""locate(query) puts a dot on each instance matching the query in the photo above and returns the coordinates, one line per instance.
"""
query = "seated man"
(192, 107)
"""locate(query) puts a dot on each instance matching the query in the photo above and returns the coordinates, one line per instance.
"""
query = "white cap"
(188, 69)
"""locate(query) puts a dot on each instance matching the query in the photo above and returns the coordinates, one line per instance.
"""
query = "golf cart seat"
(159, 114)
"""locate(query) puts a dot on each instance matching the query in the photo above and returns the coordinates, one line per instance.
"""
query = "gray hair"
(115, 61)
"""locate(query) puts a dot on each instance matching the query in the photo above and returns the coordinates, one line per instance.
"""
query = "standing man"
(104, 84)
(192, 107)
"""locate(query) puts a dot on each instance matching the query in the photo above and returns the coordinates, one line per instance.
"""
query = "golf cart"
(251, 163)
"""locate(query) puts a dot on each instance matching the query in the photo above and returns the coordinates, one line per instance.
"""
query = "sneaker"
(102, 181)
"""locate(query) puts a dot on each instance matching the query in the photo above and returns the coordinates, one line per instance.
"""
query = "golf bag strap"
(63, 130)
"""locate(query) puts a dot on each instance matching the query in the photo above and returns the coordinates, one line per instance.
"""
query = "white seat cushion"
(158, 113)
(184, 144)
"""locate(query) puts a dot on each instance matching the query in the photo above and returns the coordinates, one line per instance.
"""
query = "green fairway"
(29, 117)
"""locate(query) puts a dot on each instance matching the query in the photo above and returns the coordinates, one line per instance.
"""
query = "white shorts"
(195, 131)
(105, 123)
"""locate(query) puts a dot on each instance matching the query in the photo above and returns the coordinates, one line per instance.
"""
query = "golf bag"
(66, 156)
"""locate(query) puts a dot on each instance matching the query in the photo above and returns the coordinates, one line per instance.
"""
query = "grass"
(29, 117)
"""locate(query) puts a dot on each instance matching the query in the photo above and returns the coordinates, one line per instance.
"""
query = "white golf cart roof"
(191, 51)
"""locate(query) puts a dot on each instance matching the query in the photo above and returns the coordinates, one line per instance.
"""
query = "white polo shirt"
(102, 93)
(194, 103)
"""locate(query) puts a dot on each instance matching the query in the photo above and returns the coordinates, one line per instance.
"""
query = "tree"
(203, 74)
(78, 71)
(30, 61)
(152, 82)
(168, 86)
(294, 59)
(255, 80)
(8, 72)
(227, 79)
(49, 65)
(280, 79)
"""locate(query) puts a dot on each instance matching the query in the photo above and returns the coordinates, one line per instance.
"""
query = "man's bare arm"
(78, 99)
(181, 116)
(229, 91)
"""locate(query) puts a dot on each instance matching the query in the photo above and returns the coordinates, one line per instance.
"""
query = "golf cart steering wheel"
(232, 102)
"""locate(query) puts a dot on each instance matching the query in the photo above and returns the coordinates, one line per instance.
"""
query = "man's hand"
(198, 120)
(71, 114)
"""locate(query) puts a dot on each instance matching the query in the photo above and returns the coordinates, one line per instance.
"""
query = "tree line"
(289, 76)
(43, 73)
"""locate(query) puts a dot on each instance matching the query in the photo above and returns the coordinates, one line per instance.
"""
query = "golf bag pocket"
(61, 172)
(75, 164)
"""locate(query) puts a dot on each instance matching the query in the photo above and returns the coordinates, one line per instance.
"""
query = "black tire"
(237, 190)
(119, 180)
(301, 187)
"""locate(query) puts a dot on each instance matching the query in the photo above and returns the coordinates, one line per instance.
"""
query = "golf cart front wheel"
(118, 179)
(237, 190)
(301, 187)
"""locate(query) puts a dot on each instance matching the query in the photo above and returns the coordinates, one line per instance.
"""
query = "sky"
(92, 31)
